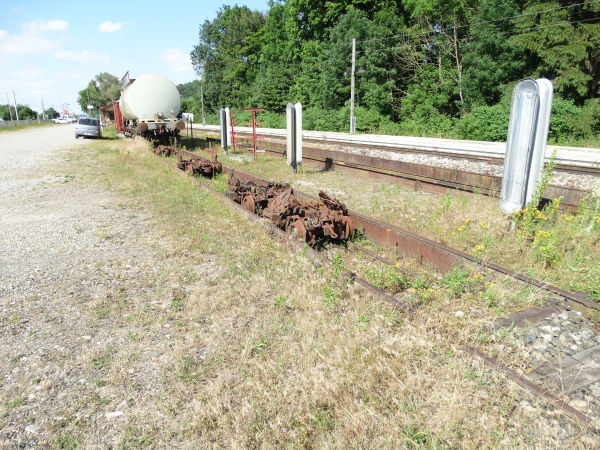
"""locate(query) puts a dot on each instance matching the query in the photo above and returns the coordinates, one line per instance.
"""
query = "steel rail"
(566, 156)
(429, 177)
(423, 249)
(576, 415)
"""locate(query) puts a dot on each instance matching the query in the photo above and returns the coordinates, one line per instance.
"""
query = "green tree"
(563, 45)
(51, 113)
(100, 91)
(25, 112)
(188, 90)
(227, 56)
(4, 112)
(491, 61)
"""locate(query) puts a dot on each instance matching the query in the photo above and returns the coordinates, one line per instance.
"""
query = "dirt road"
(67, 247)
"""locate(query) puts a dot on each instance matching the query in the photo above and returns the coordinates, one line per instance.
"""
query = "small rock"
(578, 404)
(459, 314)
(547, 337)
(32, 429)
(530, 339)
(573, 347)
(112, 415)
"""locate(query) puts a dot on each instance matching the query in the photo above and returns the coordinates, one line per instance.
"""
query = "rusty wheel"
(248, 203)
(300, 229)
(349, 228)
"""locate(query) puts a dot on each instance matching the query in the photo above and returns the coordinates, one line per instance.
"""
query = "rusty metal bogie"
(199, 166)
(312, 221)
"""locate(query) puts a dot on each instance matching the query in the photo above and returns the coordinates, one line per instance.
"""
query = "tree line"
(7, 112)
(423, 67)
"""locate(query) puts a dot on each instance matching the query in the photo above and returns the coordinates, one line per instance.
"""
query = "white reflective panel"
(541, 136)
(228, 121)
(223, 126)
(298, 129)
(289, 132)
(519, 143)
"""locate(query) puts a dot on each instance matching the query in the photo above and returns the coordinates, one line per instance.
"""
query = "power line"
(493, 34)
(442, 30)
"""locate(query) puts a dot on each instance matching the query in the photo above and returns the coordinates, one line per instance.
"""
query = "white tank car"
(152, 99)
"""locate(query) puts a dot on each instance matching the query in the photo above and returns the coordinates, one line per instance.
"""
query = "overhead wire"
(452, 27)
(499, 33)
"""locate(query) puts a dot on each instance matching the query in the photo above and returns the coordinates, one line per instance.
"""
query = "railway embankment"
(140, 308)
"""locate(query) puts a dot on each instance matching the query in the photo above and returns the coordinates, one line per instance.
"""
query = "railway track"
(577, 159)
(373, 155)
(547, 384)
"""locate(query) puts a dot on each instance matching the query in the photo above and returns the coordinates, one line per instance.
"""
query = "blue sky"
(51, 49)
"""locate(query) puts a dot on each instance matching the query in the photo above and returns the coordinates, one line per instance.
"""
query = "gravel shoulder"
(68, 250)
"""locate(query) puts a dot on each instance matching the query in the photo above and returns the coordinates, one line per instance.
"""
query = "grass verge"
(265, 349)
(559, 248)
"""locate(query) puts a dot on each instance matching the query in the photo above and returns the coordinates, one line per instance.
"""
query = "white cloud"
(83, 55)
(37, 26)
(178, 61)
(110, 27)
(31, 38)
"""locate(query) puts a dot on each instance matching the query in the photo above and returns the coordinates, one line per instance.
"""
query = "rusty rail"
(437, 179)
(427, 251)
(523, 381)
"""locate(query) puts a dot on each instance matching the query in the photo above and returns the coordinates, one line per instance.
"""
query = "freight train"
(148, 107)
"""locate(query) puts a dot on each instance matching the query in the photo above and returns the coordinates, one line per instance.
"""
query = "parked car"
(88, 127)
(65, 119)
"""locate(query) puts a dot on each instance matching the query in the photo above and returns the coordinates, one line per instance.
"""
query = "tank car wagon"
(148, 107)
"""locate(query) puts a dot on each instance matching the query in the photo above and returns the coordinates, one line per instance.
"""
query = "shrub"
(485, 123)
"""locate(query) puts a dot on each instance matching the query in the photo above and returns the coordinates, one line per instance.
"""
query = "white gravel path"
(70, 252)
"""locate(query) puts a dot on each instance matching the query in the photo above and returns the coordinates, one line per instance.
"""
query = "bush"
(485, 123)
(571, 124)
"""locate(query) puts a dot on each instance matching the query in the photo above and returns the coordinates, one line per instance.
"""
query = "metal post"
(8, 104)
(232, 131)
(254, 132)
(202, 100)
(16, 110)
(352, 121)
(294, 131)
(43, 111)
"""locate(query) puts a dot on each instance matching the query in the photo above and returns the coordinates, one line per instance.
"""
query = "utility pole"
(43, 111)
(202, 100)
(16, 110)
(8, 104)
(352, 118)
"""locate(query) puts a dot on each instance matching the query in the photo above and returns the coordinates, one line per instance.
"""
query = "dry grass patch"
(566, 253)
(233, 339)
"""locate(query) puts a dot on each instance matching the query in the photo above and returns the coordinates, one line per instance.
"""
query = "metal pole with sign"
(526, 142)
(294, 135)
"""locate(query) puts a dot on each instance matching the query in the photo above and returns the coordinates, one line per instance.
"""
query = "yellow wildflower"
(468, 221)
(483, 225)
